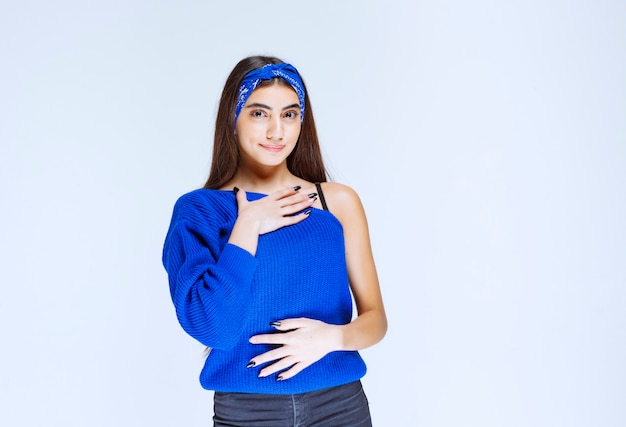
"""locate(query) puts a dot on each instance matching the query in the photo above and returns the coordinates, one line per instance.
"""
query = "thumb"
(240, 196)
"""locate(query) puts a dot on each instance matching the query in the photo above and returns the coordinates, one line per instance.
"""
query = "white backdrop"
(486, 139)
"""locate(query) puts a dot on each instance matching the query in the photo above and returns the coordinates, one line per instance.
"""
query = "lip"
(273, 148)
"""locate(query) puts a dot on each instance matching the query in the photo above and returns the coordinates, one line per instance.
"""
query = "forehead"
(274, 92)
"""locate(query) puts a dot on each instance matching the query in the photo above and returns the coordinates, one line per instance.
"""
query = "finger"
(285, 192)
(294, 219)
(290, 324)
(268, 356)
(298, 200)
(268, 339)
(290, 373)
(301, 206)
(280, 365)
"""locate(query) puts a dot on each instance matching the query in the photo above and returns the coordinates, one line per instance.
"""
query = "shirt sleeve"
(210, 287)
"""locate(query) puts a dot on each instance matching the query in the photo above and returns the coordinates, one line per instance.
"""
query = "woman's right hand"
(268, 214)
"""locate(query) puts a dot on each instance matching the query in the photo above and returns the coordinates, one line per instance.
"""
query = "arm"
(370, 325)
(210, 286)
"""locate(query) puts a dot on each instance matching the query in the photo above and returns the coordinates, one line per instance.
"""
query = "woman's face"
(268, 126)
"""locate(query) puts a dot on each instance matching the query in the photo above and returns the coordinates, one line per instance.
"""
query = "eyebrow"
(267, 107)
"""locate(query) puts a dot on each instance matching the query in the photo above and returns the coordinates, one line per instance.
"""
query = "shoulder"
(189, 200)
(202, 202)
(341, 193)
(342, 200)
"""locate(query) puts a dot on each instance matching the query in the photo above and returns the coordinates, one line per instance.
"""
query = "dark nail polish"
(307, 212)
(296, 188)
(235, 190)
(279, 378)
(312, 195)
(274, 324)
(251, 364)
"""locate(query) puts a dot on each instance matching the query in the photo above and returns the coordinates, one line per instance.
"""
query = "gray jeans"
(341, 406)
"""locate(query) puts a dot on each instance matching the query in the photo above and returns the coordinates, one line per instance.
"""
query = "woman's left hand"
(303, 342)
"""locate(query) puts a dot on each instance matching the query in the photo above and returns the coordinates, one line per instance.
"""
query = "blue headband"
(270, 71)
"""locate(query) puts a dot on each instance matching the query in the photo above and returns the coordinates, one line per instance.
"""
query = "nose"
(275, 129)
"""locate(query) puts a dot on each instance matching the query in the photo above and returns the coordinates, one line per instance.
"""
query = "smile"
(273, 148)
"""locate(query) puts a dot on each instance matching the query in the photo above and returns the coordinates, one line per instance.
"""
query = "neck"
(266, 181)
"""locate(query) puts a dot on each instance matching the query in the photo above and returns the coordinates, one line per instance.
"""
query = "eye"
(291, 114)
(258, 113)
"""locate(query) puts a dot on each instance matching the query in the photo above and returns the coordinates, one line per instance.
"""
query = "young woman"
(264, 260)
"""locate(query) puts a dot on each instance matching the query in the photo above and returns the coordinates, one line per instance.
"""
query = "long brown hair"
(305, 161)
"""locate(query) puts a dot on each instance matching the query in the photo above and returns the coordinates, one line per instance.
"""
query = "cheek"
(295, 130)
(243, 129)
(249, 125)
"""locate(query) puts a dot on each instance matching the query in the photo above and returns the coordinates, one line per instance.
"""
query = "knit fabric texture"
(223, 295)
